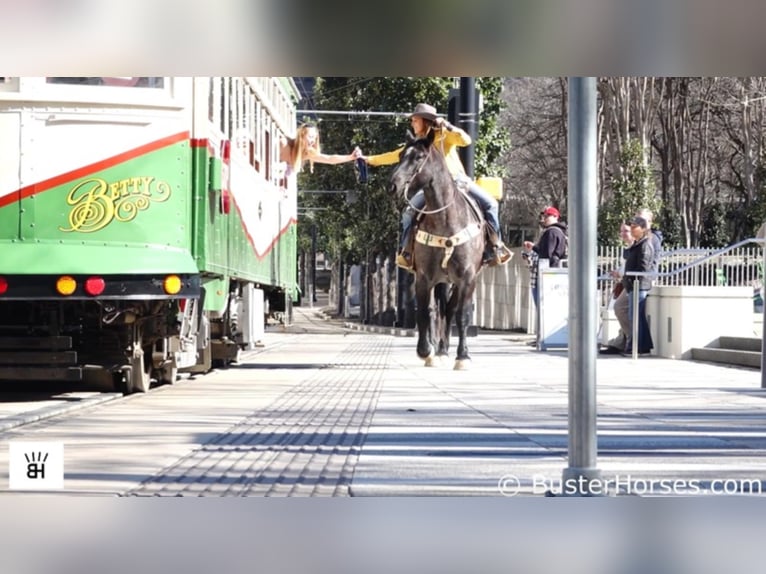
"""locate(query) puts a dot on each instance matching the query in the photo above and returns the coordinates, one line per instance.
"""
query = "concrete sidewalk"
(665, 427)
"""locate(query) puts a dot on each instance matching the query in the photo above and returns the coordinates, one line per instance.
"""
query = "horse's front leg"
(425, 348)
(463, 317)
(443, 320)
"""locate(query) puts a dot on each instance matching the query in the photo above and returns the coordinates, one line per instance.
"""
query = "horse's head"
(409, 172)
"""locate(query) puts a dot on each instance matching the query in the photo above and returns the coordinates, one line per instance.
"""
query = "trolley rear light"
(172, 284)
(3, 285)
(225, 205)
(66, 285)
(225, 202)
(94, 286)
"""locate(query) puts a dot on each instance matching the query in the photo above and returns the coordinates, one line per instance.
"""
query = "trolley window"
(116, 81)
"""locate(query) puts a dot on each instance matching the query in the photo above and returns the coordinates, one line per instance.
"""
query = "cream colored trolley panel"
(10, 151)
(75, 126)
(206, 109)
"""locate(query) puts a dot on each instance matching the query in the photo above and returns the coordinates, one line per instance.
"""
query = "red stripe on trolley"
(204, 142)
(93, 168)
(262, 255)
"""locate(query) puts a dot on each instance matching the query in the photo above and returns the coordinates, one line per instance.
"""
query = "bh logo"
(35, 465)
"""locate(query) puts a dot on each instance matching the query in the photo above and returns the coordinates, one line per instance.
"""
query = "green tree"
(669, 223)
(369, 224)
(633, 190)
(714, 232)
(494, 140)
(756, 215)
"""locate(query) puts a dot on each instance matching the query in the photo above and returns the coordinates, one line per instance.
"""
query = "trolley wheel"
(138, 372)
(168, 373)
(204, 361)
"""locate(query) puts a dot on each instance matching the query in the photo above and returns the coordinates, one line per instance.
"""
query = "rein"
(408, 183)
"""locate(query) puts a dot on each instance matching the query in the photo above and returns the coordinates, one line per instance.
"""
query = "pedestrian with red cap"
(552, 246)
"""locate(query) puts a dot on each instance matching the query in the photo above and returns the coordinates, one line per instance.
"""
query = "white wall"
(682, 318)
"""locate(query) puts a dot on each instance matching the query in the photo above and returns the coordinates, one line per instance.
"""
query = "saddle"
(477, 211)
(463, 236)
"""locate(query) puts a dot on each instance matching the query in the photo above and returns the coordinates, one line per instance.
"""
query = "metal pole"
(583, 324)
(354, 113)
(468, 121)
(763, 333)
(634, 326)
(313, 262)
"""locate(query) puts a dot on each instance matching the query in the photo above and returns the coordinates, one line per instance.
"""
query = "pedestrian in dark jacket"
(552, 246)
(617, 345)
(640, 257)
(655, 236)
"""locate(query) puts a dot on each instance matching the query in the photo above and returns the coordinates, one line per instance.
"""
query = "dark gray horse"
(447, 252)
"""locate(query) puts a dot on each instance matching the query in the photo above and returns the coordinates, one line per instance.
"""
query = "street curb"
(472, 330)
(56, 410)
(395, 331)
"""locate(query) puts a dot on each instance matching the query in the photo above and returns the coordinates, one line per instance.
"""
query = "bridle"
(409, 181)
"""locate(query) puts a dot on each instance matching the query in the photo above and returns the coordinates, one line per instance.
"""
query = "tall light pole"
(583, 324)
(468, 117)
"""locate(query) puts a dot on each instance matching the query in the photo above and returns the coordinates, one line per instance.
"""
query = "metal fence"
(738, 267)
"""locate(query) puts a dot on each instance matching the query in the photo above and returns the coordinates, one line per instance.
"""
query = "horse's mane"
(426, 142)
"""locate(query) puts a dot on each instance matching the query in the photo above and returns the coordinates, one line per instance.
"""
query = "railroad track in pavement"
(23, 403)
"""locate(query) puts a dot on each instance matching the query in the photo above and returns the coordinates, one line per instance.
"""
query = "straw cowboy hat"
(425, 111)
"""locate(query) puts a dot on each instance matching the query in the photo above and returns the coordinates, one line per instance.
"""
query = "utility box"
(553, 309)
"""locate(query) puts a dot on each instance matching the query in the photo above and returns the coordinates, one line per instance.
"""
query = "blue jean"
(487, 203)
(645, 343)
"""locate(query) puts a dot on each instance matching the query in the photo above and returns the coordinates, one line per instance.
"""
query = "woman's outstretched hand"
(357, 154)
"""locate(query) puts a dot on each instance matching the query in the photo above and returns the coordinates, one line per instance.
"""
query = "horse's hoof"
(462, 364)
(430, 361)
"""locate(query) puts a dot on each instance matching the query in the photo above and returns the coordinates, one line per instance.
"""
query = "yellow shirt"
(445, 141)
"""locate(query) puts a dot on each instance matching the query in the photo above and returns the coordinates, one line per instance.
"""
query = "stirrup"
(403, 262)
(503, 254)
(500, 255)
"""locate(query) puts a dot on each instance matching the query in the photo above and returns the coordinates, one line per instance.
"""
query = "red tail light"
(225, 202)
(225, 177)
(3, 285)
(94, 286)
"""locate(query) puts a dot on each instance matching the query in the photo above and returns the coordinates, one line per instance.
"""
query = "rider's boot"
(404, 257)
(404, 260)
(496, 252)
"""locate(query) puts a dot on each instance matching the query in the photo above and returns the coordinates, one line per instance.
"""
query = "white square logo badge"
(35, 465)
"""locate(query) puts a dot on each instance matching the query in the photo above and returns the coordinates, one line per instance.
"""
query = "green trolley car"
(146, 225)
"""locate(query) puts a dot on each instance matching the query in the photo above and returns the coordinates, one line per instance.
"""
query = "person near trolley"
(305, 148)
(447, 138)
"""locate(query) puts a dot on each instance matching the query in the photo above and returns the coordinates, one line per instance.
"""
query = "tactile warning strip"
(306, 443)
